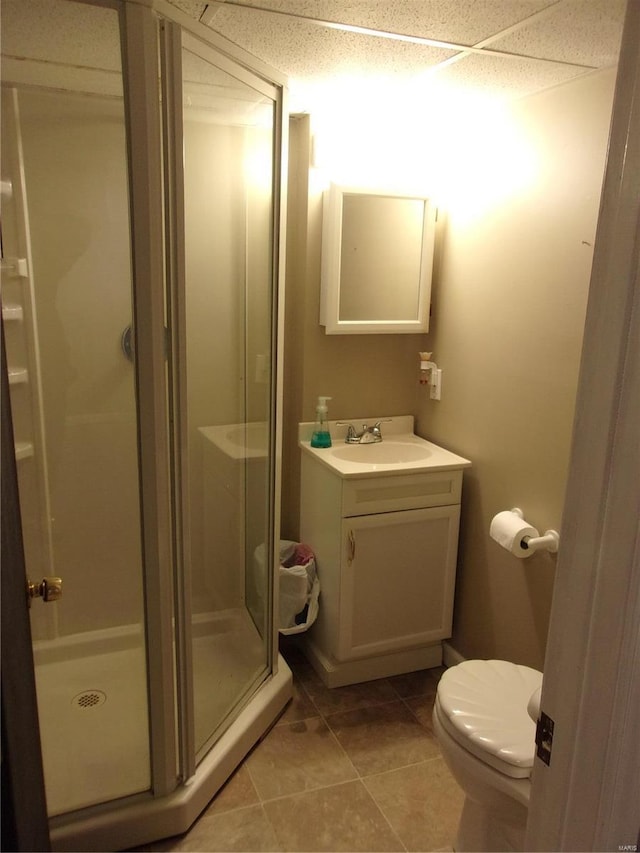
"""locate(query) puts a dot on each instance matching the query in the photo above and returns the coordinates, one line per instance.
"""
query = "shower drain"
(89, 699)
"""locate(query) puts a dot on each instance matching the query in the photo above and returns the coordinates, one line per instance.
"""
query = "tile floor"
(355, 768)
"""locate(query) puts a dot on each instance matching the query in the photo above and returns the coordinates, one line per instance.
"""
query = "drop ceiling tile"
(572, 31)
(193, 8)
(302, 50)
(504, 77)
(55, 31)
(460, 21)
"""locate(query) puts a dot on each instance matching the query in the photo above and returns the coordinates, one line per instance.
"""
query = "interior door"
(587, 797)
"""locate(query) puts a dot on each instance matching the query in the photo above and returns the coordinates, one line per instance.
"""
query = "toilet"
(483, 718)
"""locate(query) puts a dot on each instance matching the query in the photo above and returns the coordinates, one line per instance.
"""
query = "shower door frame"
(172, 45)
(146, 198)
(154, 111)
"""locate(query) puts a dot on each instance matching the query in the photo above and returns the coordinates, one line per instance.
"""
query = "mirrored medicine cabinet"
(377, 260)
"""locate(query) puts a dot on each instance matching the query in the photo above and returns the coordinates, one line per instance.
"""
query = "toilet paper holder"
(549, 542)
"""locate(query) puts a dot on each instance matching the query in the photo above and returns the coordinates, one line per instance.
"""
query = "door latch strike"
(544, 738)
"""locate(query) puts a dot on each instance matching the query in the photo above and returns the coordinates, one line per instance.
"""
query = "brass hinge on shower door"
(49, 589)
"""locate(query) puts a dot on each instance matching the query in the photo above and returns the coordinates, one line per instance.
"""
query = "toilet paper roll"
(508, 529)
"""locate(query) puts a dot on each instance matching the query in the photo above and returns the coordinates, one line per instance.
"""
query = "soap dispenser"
(321, 436)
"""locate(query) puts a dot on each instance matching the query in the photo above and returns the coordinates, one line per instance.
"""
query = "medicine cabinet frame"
(332, 279)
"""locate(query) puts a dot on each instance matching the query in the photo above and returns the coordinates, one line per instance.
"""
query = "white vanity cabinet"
(386, 549)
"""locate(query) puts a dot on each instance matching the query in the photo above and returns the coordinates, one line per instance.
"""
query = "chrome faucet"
(369, 434)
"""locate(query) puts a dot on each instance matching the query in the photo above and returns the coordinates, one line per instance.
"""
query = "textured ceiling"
(518, 46)
(508, 48)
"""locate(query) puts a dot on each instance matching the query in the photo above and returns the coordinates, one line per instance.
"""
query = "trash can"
(299, 586)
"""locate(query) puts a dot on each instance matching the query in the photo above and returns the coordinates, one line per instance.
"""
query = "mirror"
(377, 258)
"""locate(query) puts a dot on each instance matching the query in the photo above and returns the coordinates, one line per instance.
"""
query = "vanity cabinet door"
(397, 580)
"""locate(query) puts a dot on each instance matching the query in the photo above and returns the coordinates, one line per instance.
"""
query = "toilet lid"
(483, 705)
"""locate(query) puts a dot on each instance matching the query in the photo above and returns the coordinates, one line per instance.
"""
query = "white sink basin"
(382, 453)
(401, 451)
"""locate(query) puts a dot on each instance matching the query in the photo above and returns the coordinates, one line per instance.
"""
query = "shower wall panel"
(75, 170)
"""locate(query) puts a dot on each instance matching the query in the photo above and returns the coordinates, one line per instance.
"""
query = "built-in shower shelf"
(12, 312)
(24, 450)
(18, 375)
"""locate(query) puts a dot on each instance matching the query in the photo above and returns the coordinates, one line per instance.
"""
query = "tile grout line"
(324, 718)
(401, 846)
(359, 777)
(402, 698)
(384, 816)
(273, 828)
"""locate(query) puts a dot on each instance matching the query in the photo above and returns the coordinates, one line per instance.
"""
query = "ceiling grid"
(508, 47)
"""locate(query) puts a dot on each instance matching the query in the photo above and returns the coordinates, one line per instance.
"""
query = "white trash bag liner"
(299, 587)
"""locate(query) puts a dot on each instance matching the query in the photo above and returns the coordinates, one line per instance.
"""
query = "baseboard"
(339, 674)
(450, 656)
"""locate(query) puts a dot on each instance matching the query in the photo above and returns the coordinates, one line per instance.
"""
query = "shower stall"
(141, 245)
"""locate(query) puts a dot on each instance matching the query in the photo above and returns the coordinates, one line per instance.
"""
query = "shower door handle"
(49, 589)
(127, 343)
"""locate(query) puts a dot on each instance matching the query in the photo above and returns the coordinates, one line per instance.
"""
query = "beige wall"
(508, 314)
(508, 323)
(363, 374)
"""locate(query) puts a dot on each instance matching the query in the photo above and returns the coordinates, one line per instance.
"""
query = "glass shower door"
(66, 299)
(229, 306)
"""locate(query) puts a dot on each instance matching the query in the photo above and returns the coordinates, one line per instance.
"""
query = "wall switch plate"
(435, 391)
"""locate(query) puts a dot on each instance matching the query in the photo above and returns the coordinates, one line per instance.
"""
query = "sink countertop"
(397, 434)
